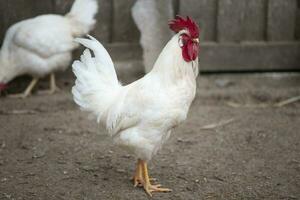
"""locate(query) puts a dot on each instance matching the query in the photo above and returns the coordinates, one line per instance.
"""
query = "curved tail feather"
(97, 85)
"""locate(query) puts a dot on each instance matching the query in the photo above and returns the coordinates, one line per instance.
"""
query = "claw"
(155, 188)
(141, 179)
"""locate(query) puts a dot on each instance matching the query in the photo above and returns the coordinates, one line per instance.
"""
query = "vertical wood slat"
(204, 12)
(255, 20)
(230, 19)
(17, 10)
(298, 24)
(281, 20)
(103, 26)
(62, 6)
(41, 7)
(124, 28)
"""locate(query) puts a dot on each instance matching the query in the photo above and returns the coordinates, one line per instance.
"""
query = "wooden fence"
(247, 34)
(235, 34)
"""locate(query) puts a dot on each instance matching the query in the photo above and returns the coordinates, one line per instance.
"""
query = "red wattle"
(190, 51)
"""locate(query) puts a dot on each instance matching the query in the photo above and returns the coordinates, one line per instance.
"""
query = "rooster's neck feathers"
(170, 64)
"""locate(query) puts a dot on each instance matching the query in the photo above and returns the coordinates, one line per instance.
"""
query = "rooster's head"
(188, 36)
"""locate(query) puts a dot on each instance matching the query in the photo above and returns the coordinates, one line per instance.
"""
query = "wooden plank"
(2, 23)
(246, 56)
(254, 56)
(255, 20)
(125, 51)
(281, 20)
(41, 7)
(62, 6)
(204, 12)
(298, 24)
(259, 56)
(104, 21)
(124, 28)
(230, 18)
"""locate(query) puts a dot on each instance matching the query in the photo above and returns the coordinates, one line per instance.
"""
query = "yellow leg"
(137, 178)
(148, 187)
(53, 88)
(28, 90)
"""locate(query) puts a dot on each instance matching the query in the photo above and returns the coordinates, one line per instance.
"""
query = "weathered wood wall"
(235, 34)
(244, 20)
(247, 34)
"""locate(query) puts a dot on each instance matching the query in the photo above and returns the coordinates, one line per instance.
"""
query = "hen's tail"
(82, 16)
(97, 85)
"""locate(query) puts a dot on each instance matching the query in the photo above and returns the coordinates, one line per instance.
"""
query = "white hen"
(43, 45)
(141, 115)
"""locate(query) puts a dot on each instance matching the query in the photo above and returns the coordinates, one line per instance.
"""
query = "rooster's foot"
(155, 188)
(137, 181)
(141, 179)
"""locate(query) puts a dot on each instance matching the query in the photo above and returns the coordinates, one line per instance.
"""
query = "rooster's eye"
(183, 40)
(180, 42)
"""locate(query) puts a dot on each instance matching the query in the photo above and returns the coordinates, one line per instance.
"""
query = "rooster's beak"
(196, 40)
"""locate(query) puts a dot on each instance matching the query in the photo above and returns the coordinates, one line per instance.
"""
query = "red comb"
(179, 23)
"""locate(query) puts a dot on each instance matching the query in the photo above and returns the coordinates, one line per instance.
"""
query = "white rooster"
(141, 115)
(43, 45)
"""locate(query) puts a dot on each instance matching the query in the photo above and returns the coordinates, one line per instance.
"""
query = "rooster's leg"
(53, 87)
(137, 178)
(149, 188)
(28, 90)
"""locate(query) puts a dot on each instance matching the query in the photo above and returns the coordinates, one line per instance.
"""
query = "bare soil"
(235, 144)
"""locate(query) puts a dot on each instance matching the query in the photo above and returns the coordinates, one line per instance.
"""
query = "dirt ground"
(235, 144)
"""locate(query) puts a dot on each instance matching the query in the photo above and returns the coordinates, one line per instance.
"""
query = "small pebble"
(4, 179)
(121, 170)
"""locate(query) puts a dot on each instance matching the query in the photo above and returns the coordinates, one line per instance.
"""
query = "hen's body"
(43, 45)
(33, 46)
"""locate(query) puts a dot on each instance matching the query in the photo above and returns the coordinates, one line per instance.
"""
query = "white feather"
(97, 84)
